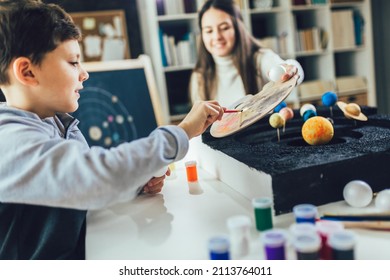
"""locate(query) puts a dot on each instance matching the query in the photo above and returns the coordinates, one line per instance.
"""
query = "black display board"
(118, 103)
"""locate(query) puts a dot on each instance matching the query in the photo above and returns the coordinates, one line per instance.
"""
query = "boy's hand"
(201, 116)
(155, 184)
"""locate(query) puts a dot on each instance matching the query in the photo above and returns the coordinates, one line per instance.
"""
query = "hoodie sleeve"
(39, 167)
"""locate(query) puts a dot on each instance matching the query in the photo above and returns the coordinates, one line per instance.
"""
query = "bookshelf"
(320, 34)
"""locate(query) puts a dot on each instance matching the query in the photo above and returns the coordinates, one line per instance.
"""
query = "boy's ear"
(23, 71)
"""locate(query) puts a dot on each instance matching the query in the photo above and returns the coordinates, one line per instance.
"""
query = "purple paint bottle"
(274, 241)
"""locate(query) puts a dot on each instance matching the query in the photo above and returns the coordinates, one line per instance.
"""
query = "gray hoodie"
(47, 165)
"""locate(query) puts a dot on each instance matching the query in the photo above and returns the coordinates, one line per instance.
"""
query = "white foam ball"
(357, 193)
(276, 73)
(382, 200)
(306, 107)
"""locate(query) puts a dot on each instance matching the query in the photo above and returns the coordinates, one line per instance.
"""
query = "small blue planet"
(329, 98)
(309, 114)
(280, 106)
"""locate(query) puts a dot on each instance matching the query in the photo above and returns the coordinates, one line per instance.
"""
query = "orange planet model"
(317, 131)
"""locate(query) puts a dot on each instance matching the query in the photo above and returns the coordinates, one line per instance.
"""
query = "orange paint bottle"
(192, 173)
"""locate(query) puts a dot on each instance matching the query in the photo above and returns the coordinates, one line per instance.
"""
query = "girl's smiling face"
(218, 32)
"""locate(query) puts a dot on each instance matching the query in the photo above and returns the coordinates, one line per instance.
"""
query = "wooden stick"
(378, 225)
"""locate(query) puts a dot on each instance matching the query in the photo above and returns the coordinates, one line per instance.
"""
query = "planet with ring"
(352, 111)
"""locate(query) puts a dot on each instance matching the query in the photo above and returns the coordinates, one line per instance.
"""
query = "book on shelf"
(190, 6)
(162, 48)
(358, 21)
(343, 1)
(311, 39)
(276, 43)
(299, 2)
(308, 2)
(177, 52)
(343, 29)
(174, 7)
(160, 5)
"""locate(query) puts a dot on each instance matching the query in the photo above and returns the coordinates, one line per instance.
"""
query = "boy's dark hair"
(30, 28)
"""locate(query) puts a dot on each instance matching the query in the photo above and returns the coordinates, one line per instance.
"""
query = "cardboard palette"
(254, 108)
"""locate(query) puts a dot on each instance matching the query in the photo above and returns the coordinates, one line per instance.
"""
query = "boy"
(49, 176)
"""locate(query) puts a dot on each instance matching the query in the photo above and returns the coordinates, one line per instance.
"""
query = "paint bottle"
(342, 244)
(297, 229)
(219, 247)
(305, 213)
(274, 241)
(192, 173)
(263, 212)
(307, 246)
(239, 229)
(324, 229)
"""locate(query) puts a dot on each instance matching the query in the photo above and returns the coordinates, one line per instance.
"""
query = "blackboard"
(119, 102)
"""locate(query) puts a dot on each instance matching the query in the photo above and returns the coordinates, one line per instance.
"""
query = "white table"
(177, 223)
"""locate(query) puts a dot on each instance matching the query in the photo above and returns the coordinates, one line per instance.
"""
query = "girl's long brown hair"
(243, 53)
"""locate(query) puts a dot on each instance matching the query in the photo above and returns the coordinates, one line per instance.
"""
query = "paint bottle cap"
(342, 240)
(274, 237)
(239, 222)
(307, 242)
(326, 227)
(297, 229)
(219, 244)
(305, 211)
(190, 163)
(262, 202)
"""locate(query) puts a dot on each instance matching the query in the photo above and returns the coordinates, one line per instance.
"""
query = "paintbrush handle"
(232, 111)
(358, 217)
(355, 219)
(379, 225)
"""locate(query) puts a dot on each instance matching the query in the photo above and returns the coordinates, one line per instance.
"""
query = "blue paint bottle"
(305, 213)
(219, 247)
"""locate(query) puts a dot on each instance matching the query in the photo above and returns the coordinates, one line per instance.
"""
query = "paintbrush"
(384, 216)
(232, 111)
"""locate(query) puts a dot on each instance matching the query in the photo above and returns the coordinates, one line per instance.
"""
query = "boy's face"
(60, 77)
